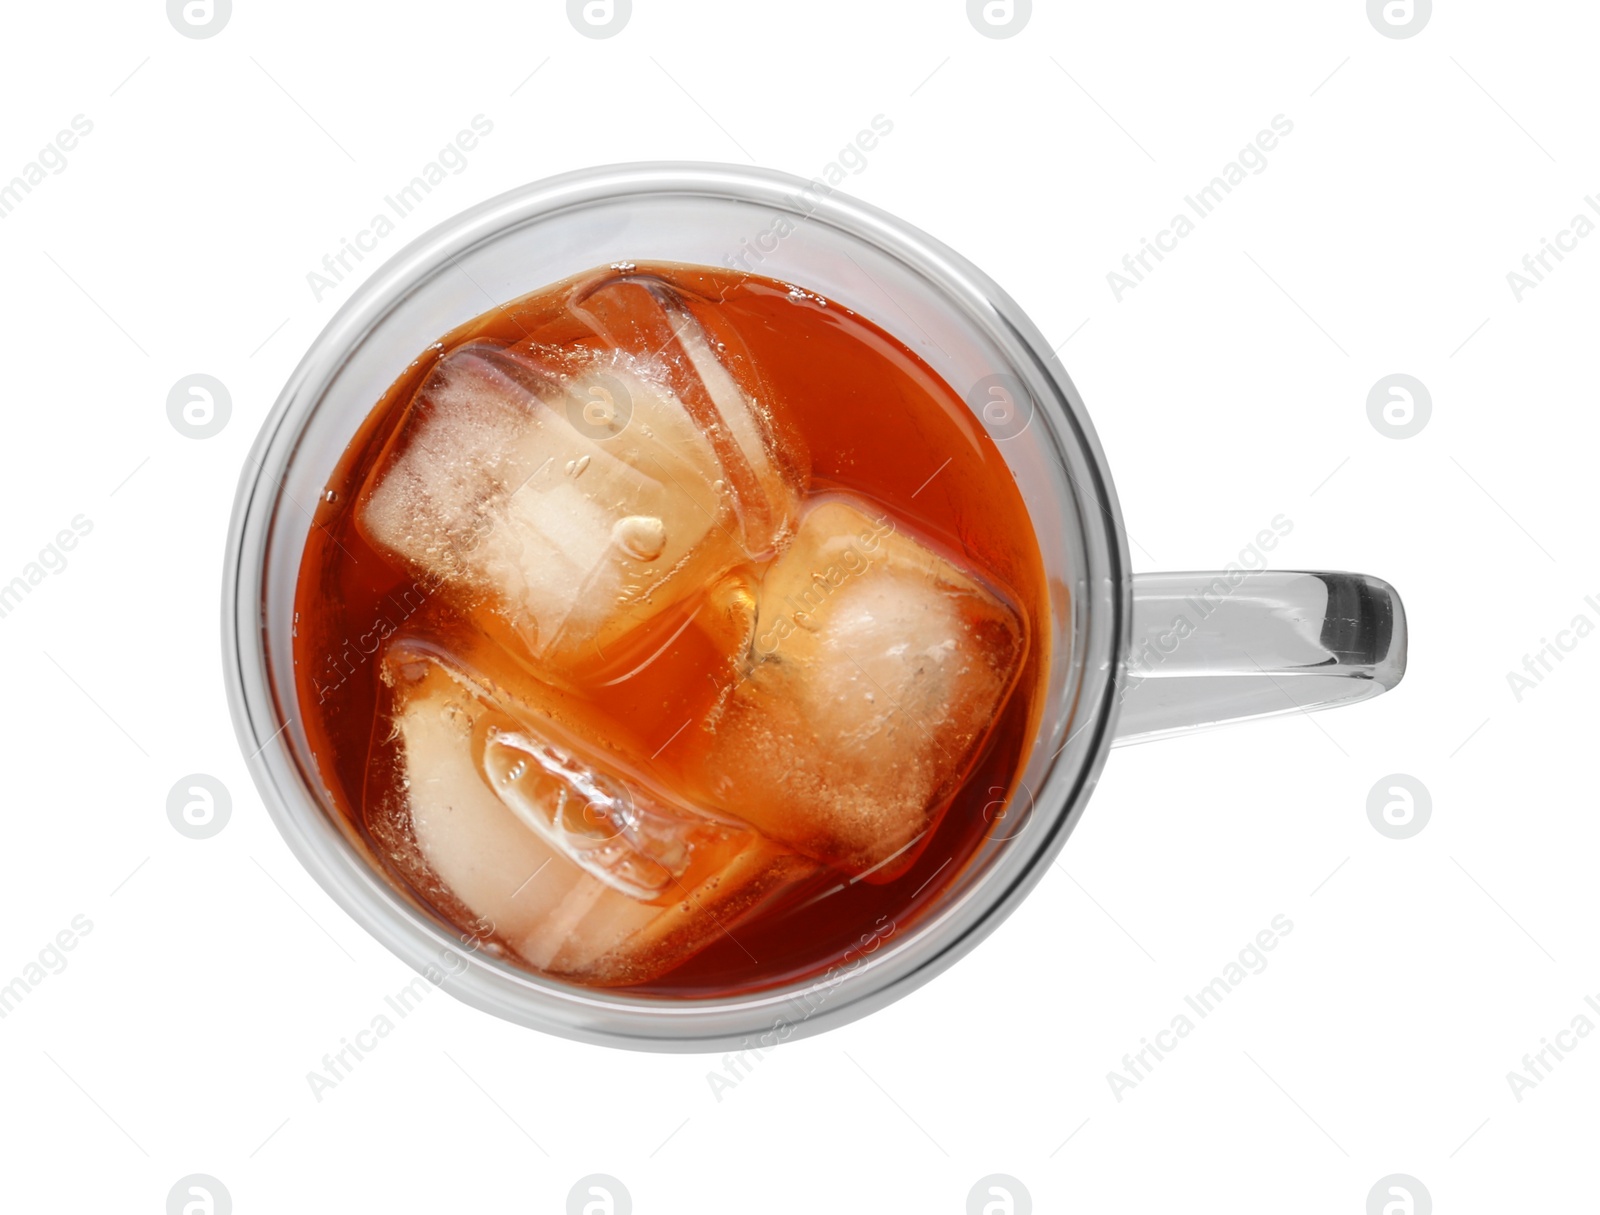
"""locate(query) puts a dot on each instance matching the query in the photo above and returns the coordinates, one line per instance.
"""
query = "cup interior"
(961, 324)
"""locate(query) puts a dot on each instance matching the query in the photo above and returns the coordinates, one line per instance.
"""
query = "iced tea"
(671, 628)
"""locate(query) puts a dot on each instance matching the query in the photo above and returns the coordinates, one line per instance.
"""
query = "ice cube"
(651, 318)
(573, 492)
(581, 869)
(877, 671)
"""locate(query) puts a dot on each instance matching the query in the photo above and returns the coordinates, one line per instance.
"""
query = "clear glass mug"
(1132, 657)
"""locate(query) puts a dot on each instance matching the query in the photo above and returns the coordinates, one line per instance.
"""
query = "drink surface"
(671, 628)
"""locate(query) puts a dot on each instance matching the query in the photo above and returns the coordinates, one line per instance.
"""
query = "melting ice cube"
(582, 870)
(581, 493)
(877, 672)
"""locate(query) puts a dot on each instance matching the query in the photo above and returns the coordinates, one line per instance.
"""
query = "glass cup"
(1131, 657)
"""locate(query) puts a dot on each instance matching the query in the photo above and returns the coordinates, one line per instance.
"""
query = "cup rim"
(1101, 602)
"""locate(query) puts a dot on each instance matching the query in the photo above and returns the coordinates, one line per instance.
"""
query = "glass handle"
(1208, 649)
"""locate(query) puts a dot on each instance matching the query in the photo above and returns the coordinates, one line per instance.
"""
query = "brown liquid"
(878, 423)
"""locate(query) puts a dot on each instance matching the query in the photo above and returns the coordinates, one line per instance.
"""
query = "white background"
(1228, 388)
